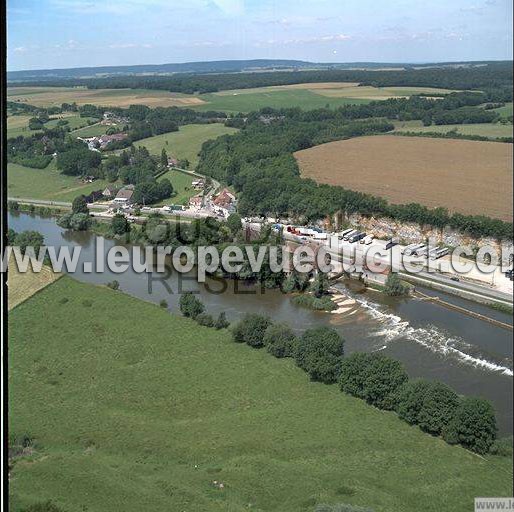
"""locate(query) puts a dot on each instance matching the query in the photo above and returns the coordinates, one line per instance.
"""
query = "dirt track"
(470, 177)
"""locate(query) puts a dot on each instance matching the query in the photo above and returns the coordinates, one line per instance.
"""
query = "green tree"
(439, 406)
(374, 377)
(280, 340)
(234, 223)
(27, 239)
(394, 286)
(190, 306)
(221, 321)
(164, 158)
(319, 352)
(250, 329)
(119, 224)
(75, 221)
(473, 425)
(205, 319)
(79, 205)
(320, 285)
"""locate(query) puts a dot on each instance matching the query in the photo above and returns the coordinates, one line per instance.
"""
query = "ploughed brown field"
(469, 177)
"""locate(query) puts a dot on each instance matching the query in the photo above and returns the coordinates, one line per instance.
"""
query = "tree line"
(258, 162)
(378, 379)
(492, 75)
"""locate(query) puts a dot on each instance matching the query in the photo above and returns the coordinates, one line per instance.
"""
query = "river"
(470, 355)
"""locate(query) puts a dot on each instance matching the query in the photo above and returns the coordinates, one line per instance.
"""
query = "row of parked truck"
(433, 253)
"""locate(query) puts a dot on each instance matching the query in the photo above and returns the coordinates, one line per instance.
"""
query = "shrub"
(394, 287)
(280, 340)
(114, 285)
(190, 306)
(374, 377)
(205, 319)
(163, 303)
(79, 205)
(439, 405)
(74, 221)
(250, 330)
(502, 447)
(473, 425)
(320, 352)
(353, 374)
(324, 303)
(221, 321)
(119, 225)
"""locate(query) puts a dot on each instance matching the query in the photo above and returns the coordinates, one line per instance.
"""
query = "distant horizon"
(278, 59)
(65, 34)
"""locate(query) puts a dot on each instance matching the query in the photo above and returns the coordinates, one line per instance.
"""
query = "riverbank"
(175, 407)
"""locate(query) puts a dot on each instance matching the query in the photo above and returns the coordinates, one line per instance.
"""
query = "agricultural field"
(19, 125)
(147, 415)
(181, 182)
(469, 177)
(490, 130)
(306, 96)
(55, 96)
(47, 184)
(22, 285)
(94, 130)
(187, 142)
(505, 111)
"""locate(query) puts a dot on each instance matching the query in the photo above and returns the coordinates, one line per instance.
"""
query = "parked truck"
(367, 239)
(356, 237)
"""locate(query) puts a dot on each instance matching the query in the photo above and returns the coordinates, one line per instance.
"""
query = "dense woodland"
(493, 75)
(259, 163)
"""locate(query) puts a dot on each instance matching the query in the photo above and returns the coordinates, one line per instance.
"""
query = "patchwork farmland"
(464, 176)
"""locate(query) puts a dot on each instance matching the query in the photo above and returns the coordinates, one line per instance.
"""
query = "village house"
(225, 203)
(196, 202)
(172, 162)
(110, 191)
(124, 195)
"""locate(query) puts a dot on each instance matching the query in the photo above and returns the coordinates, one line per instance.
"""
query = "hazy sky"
(74, 33)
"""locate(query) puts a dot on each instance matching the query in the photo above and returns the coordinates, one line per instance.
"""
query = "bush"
(394, 287)
(502, 447)
(280, 340)
(79, 205)
(163, 303)
(119, 224)
(473, 425)
(114, 285)
(374, 377)
(439, 405)
(250, 330)
(320, 353)
(205, 319)
(75, 221)
(221, 321)
(431, 405)
(324, 303)
(190, 306)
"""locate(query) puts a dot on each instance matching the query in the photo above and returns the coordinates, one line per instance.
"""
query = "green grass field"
(132, 408)
(505, 111)
(246, 102)
(48, 184)
(94, 130)
(187, 142)
(181, 185)
(490, 130)
(19, 125)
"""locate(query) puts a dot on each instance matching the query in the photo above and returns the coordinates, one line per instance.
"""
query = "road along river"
(433, 342)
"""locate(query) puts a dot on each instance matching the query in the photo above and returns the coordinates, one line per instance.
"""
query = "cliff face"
(411, 232)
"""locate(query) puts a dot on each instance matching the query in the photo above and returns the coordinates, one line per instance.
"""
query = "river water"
(470, 355)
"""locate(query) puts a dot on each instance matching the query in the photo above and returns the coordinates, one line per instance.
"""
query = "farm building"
(124, 196)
